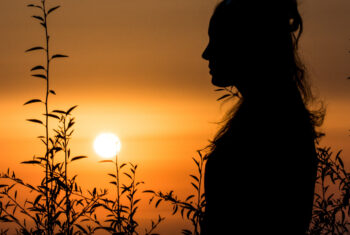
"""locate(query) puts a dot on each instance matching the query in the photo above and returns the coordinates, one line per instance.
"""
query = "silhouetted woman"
(261, 169)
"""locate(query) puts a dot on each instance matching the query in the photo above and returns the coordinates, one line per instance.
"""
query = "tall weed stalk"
(59, 206)
(53, 195)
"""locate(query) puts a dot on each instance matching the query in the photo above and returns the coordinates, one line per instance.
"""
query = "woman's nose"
(205, 54)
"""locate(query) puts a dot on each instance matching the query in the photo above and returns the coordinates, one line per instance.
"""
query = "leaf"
(71, 109)
(157, 204)
(31, 162)
(128, 175)
(59, 111)
(52, 9)
(195, 160)
(78, 157)
(81, 228)
(339, 159)
(58, 56)
(32, 5)
(341, 162)
(122, 165)
(175, 209)
(189, 197)
(148, 191)
(136, 201)
(37, 199)
(39, 18)
(53, 92)
(189, 214)
(35, 49)
(39, 76)
(186, 232)
(106, 161)
(70, 124)
(195, 178)
(35, 121)
(32, 101)
(38, 67)
(223, 97)
(195, 186)
(52, 115)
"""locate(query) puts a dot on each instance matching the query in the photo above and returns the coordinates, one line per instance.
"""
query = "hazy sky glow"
(135, 69)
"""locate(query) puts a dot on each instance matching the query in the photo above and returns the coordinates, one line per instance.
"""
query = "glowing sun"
(107, 145)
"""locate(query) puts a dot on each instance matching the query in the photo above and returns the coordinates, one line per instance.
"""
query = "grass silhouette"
(59, 205)
(53, 197)
(331, 205)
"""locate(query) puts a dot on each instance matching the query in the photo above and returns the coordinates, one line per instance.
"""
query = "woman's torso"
(260, 176)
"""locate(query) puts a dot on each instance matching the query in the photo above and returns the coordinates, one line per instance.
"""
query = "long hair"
(289, 22)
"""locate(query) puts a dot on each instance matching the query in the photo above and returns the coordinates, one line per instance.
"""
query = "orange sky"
(135, 69)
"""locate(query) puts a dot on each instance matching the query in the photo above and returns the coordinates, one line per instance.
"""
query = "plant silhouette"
(332, 196)
(58, 205)
(121, 216)
(58, 194)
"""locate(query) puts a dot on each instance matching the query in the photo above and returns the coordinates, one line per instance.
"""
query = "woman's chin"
(219, 82)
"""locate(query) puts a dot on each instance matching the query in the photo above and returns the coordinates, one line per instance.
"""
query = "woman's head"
(252, 44)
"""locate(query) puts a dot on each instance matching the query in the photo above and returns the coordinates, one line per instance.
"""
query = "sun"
(107, 145)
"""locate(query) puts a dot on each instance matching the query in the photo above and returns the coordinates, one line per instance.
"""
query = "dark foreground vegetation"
(58, 205)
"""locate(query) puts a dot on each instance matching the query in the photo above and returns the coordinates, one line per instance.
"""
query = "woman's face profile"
(224, 51)
(233, 47)
(218, 55)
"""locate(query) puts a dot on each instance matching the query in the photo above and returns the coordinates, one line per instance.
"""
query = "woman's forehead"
(244, 16)
(224, 18)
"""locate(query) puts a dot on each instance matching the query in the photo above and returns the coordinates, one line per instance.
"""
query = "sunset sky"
(135, 69)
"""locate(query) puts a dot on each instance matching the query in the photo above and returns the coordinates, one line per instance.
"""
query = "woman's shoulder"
(270, 123)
